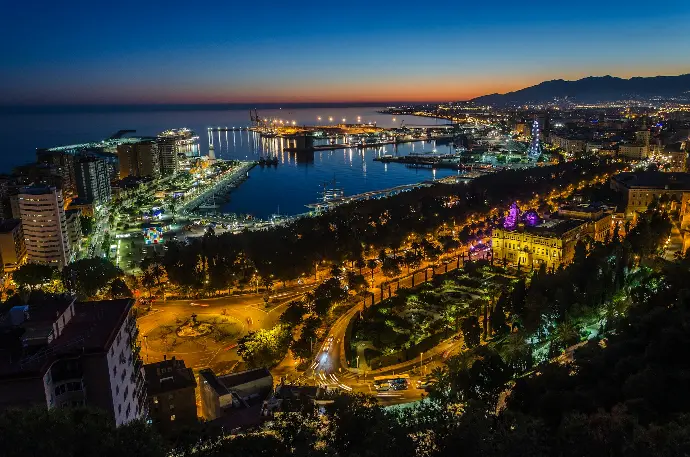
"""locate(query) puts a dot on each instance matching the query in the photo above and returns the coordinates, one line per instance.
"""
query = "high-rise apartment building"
(167, 153)
(42, 212)
(62, 353)
(139, 159)
(73, 225)
(93, 180)
(62, 162)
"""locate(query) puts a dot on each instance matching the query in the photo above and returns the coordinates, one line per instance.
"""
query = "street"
(247, 313)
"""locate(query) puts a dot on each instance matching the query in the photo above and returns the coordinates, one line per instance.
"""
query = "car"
(425, 384)
(327, 345)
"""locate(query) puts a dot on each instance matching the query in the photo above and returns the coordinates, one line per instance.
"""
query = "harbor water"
(286, 189)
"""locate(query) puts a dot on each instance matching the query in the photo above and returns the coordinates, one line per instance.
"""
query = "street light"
(358, 362)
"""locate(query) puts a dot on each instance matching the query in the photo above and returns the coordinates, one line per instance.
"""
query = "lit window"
(155, 400)
(172, 417)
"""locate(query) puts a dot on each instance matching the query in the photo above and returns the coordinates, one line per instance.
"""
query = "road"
(330, 366)
(247, 313)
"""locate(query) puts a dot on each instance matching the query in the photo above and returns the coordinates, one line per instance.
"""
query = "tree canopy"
(32, 275)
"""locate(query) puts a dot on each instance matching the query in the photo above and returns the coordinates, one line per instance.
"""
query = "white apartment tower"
(42, 212)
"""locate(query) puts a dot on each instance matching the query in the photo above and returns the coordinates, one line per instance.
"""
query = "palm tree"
(371, 265)
(360, 263)
(172, 207)
(148, 280)
(158, 271)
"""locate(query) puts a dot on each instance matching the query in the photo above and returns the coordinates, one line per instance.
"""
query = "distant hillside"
(595, 89)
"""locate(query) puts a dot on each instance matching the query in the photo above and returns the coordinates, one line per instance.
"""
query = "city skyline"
(276, 53)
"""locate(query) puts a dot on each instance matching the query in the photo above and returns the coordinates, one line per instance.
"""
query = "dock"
(378, 144)
(416, 161)
(383, 193)
(227, 129)
(229, 180)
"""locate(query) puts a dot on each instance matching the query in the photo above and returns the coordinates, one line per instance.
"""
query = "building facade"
(220, 395)
(12, 247)
(76, 354)
(64, 162)
(44, 224)
(167, 154)
(524, 239)
(171, 392)
(571, 145)
(532, 246)
(139, 159)
(639, 189)
(600, 219)
(74, 235)
(633, 151)
(92, 180)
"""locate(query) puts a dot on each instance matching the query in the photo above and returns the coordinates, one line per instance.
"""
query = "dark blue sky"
(187, 52)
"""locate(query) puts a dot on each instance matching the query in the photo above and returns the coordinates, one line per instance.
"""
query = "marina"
(347, 145)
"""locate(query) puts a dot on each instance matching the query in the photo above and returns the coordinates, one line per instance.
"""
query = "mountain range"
(595, 89)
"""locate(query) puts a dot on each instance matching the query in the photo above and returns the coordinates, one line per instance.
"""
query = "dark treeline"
(623, 395)
(357, 231)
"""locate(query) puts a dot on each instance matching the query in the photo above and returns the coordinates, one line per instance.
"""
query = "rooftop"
(37, 190)
(50, 309)
(167, 376)
(224, 384)
(244, 377)
(654, 180)
(92, 330)
(550, 227)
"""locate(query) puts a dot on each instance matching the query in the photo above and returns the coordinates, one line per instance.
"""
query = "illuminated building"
(633, 151)
(73, 225)
(170, 144)
(12, 247)
(529, 241)
(600, 218)
(171, 389)
(570, 144)
(139, 159)
(45, 225)
(93, 180)
(642, 188)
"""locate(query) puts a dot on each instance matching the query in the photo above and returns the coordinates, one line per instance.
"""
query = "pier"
(414, 161)
(378, 144)
(229, 180)
(227, 129)
(383, 193)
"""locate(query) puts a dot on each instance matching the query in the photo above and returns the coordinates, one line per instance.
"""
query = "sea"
(285, 189)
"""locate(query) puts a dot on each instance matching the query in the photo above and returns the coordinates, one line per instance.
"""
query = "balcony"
(136, 350)
(138, 364)
(132, 339)
(131, 324)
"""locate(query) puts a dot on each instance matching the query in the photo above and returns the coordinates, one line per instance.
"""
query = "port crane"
(255, 118)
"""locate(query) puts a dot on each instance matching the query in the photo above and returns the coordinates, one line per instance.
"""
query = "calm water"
(284, 189)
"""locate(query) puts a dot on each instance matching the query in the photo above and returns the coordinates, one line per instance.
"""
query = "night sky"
(76, 52)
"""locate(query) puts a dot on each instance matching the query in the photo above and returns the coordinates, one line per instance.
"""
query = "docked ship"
(183, 136)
